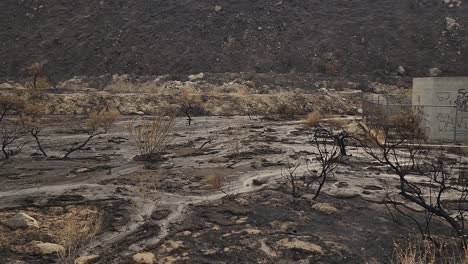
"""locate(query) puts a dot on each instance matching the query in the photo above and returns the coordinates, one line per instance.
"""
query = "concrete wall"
(444, 106)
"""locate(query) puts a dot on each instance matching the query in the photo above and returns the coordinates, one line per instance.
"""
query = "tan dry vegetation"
(147, 184)
(428, 252)
(312, 119)
(101, 120)
(79, 228)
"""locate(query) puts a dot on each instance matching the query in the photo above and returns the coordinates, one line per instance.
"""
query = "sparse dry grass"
(428, 252)
(312, 119)
(147, 184)
(234, 142)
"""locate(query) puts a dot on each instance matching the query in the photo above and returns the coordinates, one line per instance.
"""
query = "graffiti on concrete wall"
(462, 99)
(451, 111)
(444, 97)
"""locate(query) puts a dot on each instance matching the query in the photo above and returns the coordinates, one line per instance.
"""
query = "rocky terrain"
(405, 37)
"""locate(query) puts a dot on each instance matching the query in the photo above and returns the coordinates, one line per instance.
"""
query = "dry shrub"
(151, 136)
(77, 231)
(43, 82)
(372, 136)
(189, 97)
(190, 102)
(96, 124)
(10, 132)
(408, 125)
(32, 121)
(234, 141)
(10, 103)
(312, 119)
(216, 183)
(285, 109)
(101, 120)
(38, 79)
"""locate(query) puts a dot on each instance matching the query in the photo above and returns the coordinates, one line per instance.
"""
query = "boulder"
(144, 258)
(21, 220)
(49, 248)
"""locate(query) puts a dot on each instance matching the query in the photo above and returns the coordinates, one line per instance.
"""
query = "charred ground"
(159, 37)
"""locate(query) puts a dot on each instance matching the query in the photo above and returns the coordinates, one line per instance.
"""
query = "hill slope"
(93, 37)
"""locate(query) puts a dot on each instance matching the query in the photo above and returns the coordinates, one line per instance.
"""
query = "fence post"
(455, 124)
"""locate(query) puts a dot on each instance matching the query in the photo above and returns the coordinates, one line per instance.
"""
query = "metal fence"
(443, 123)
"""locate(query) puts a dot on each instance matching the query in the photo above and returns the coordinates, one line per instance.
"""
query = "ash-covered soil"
(158, 37)
(169, 211)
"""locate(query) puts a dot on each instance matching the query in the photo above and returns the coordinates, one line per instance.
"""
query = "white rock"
(21, 220)
(451, 23)
(218, 8)
(49, 248)
(82, 170)
(401, 70)
(196, 76)
(434, 72)
(144, 258)
(323, 90)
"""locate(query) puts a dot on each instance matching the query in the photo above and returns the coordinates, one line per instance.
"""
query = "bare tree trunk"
(5, 152)
(35, 134)
(73, 149)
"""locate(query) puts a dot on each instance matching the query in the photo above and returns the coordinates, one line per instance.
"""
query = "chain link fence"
(443, 123)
